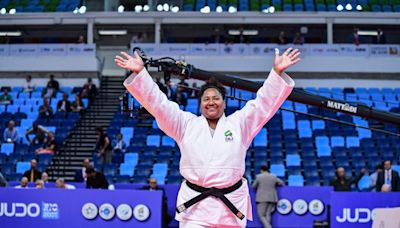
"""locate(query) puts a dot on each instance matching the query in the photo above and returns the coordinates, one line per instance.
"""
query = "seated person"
(52, 88)
(60, 183)
(89, 90)
(45, 110)
(29, 86)
(64, 105)
(40, 134)
(119, 145)
(10, 134)
(49, 146)
(39, 184)
(5, 98)
(23, 183)
(77, 105)
(95, 179)
(80, 174)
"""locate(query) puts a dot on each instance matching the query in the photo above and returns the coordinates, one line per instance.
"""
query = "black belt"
(216, 192)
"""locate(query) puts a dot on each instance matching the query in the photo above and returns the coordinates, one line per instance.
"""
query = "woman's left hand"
(287, 59)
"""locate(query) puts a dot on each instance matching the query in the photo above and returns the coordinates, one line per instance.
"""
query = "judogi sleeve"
(169, 117)
(256, 113)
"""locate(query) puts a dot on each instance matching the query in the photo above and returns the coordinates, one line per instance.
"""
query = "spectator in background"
(29, 86)
(194, 93)
(50, 145)
(217, 38)
(95, 180)
(103, 146)
(23, 183)
(119, 145)
(138, 38)
(45, 110)
(266, 196)
(81, 40)
(298, 39)
(39, 184)
(80, 174)
(3, 181)
(181, 97)
(77, 105)
(10, 134)
(388, 177)
(373, 177)
(154, 187)
(341, 183)
(355, 38)
(5, 98)
(64, 105)
(52, 88)
(40, 134)
(33, 174)
(282, 40)
(60, 183)
(89, 90)
(380, 37)
(45, 177)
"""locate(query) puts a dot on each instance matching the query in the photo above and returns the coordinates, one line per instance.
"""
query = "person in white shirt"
(60, 183)
(23, 183)
(213, 147)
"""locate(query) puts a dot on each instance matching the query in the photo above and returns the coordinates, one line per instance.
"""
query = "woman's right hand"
(134, 64)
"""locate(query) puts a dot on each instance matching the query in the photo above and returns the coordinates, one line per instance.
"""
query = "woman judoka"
(213, 146)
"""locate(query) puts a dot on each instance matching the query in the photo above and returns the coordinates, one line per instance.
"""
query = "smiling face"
(212, 104)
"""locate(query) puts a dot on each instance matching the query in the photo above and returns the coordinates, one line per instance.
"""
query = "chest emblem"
(228, 136)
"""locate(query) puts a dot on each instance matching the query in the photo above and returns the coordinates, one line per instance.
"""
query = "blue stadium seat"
(22, 167)
(324, 151)
(167, 141)
(337, 141)
(153, 140)
(277, 170)
(352, 141)
(131, 158)
(364, 183)
(7, 148)
(313, 181)
(127, 169)
(293, 160)
(296, 180)
(261, 138)
(318, 124)
(127, 133)
(160, 169)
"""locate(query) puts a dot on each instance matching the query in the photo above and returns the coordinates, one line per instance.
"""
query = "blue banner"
(356, 209)
(79, 208)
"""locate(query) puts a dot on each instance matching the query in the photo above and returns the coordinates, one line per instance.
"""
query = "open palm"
(134, 64)
(287, 59)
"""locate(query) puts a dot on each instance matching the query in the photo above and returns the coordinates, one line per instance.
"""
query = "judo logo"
(141, 212)
(89, 211)
(228, 136)
(284, 206)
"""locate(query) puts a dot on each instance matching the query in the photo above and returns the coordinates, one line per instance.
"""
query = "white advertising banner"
(24, 49)
(4, 50)
(53, 49)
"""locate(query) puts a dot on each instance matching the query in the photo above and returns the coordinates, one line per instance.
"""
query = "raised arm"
(169, 117)
(278, 86)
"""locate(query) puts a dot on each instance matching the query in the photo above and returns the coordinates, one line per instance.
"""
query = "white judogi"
(217, 161)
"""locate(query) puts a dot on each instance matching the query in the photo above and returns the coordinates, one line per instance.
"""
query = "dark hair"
(213, 83)
(264, 168)
(89, 170)
(378, 167)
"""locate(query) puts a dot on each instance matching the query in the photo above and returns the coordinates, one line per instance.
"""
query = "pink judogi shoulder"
(217, 161)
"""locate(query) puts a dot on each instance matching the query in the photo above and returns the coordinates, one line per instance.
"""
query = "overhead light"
(121, 9)
(12, 11)
(349, 7)
(236, 32)
(75, 10)
(367, 33)
(205, 9)
(232, 9)
(219, 9)
(359, 7)
(3, 11)
(159, 8)
(138, 8)
(11, 33)
(271, 9)
(166, 7)
(339, 7)
(113, 32)
(146, 8)
(82, 10)
(175, 9)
